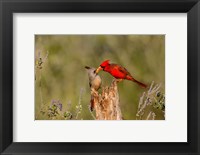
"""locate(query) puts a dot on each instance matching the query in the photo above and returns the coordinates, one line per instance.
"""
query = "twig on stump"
(106, 104)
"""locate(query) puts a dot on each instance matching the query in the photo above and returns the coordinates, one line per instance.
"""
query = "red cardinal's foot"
(119, 80)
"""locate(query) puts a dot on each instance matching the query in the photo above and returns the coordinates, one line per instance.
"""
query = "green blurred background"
(63, 76)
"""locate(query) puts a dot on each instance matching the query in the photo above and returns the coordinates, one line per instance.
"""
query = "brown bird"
(94, 82)
(118, 72)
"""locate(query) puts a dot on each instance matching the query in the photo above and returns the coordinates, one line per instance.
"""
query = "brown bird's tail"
(134, 80)
(92, 103)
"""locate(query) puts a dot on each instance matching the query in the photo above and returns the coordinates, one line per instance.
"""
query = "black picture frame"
(8, 7)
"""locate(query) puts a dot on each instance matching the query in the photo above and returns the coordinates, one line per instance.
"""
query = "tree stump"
(106, 104)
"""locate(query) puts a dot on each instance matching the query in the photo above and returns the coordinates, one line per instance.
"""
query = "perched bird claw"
(119, 80)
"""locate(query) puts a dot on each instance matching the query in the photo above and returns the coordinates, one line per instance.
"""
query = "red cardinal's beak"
(98, 69)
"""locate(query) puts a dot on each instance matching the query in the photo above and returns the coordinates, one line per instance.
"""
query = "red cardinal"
(118, 72)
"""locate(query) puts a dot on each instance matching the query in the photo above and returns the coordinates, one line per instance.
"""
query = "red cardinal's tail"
(140, 83)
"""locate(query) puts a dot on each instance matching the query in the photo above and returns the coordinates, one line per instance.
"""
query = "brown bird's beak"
(98, 69)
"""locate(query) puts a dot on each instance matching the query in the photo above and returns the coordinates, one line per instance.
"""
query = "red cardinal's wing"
(118, 71)
(123, 70)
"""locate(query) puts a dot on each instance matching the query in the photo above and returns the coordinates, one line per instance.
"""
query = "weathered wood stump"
(106, 104)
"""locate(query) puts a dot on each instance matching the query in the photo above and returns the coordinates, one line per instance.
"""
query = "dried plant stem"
(79, 106)
(40, 92)
(146, 101)
(38, 65)
(91, 113)
(40, 87)
(151, 116)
